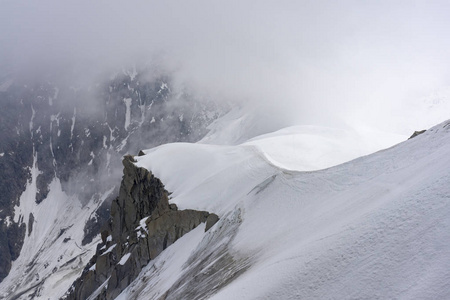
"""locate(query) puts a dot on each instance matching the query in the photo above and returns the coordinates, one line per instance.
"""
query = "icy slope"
(376, 227)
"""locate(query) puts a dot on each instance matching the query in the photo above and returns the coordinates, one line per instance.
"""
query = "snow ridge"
(373, 227)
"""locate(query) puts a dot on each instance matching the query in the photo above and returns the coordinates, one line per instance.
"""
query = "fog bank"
(303, 61)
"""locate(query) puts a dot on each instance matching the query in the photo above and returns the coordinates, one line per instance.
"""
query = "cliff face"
(76, 135)
(142, 225)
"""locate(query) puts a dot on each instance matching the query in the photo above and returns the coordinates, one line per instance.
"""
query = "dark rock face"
(416, 133)
(78, 136)
(142, 225)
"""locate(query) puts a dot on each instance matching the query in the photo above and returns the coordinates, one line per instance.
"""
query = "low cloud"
(302, 61)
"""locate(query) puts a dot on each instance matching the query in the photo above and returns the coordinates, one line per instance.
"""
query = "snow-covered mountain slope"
(376, 227)
(308, 148)
(52, 254)
(300, 147)
(60, 162)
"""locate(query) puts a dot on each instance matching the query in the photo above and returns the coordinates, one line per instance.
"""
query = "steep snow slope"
(52, 256)
(376, 227)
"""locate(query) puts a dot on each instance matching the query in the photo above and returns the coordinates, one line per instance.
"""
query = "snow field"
(46, 261)
(375, 227)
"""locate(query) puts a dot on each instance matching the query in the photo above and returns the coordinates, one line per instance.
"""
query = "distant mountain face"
(77, 136)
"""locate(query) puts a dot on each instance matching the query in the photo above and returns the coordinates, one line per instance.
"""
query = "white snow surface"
(52, 257)
(376, 227)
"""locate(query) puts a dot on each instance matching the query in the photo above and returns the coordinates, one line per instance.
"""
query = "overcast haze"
(305, 61)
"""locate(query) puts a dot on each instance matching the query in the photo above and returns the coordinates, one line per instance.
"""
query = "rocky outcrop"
(416, 133)
(142, 225)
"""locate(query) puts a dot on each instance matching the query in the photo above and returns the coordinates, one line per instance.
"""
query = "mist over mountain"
(306, 62)
(75, 137)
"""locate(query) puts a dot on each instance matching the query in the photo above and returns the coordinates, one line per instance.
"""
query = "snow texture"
(57, 228)
(376, 227)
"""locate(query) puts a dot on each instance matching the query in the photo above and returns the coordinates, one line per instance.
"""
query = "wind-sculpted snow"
(376, 227)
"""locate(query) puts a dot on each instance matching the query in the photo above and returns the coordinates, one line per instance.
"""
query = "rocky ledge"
(142, 225)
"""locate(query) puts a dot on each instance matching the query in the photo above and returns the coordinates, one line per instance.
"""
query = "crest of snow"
(104, 142)
(109, 238)
(2, 154)
(350, 231)
(185, 168)
(124, 259)
(127, 102)
(153, 120)
(309, 148)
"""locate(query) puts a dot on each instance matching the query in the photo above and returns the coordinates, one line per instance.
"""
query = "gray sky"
(305, 61)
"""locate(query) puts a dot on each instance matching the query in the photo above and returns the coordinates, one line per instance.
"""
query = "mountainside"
(244, 213)
(373, 228)
(61, 165)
